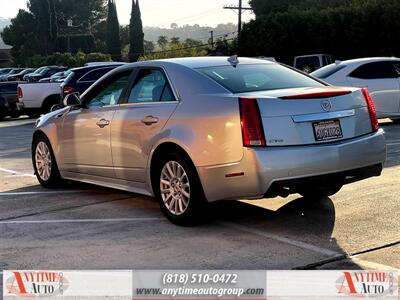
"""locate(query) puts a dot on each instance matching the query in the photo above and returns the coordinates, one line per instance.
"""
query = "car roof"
(206, 61)
(93, 67)
(368, 59)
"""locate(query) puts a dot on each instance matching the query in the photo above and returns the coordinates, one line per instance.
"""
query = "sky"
(161, 13)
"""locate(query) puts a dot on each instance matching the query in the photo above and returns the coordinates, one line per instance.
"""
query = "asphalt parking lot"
(88, 227)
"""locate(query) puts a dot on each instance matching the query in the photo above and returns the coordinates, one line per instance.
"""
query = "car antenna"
(233, 60)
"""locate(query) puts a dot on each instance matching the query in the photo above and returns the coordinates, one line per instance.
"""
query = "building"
(5, 55)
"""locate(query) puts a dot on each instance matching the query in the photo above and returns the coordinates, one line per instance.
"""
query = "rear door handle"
(103, 123)
(149, 120)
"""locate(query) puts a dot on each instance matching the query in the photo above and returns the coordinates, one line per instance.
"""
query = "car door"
(86, 131)
(148, 104)
(382, 82)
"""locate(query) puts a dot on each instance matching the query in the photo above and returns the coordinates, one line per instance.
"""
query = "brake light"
(371, 109)
(315, 95)
(252, 131)
(20, 94)
(68, 90)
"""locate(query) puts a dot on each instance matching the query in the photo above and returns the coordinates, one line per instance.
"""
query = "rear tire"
(178, 190)
(320, 193)
(44, 163)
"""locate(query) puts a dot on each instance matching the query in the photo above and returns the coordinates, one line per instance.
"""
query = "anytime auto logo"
(367, 283)
(35, 284)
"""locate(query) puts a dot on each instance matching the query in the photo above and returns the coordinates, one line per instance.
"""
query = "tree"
(20, 34)
(175, 40)
(162, 41)
(113, 35)
(149, 46)
(136, 33)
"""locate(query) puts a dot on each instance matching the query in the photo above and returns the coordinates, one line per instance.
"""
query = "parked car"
(380, 75)
(4, 71)
(57, 77)
(80, 79)
(38, 98)
(20, 76)
(37, 71)
(310, 63)
(193, 130)
(4, 77)
(9, 103)
(45, 73)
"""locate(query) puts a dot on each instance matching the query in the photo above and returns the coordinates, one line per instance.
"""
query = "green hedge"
(66, 59)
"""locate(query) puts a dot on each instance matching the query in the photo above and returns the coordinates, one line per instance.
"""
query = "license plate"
(327, 130)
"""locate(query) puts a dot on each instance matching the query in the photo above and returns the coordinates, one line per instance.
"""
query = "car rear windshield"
(258, 77)
(327, 71)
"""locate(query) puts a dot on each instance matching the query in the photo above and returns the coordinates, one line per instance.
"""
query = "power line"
(240, 10)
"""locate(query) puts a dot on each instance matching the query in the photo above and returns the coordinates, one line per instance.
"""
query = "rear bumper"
(262, 167)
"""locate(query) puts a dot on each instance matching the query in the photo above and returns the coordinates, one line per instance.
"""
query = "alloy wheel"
(175, 188)
(43, 161)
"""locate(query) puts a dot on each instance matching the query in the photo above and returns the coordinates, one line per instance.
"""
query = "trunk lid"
(306, 116)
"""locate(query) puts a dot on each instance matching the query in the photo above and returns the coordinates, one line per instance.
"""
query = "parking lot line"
(16, 173)
(40, 192)
(139, 219)
(282, 239)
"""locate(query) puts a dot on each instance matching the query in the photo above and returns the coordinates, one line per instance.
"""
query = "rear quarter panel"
(206, 122)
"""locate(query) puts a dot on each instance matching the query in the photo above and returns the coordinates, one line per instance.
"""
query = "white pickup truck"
(38, 98)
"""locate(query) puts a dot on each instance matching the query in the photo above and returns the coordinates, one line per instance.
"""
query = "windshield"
(259, 77)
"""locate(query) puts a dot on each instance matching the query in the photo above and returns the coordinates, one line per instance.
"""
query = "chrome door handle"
(103, 123)
(149, 120)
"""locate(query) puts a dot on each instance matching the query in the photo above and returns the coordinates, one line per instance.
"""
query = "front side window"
(150, 86)
(110, 93)
(258, 77)
(375, 70)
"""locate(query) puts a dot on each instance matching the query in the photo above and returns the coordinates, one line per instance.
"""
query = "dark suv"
(9, 103)
(80, 79)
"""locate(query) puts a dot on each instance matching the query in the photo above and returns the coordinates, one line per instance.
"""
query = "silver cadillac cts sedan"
(194, 130)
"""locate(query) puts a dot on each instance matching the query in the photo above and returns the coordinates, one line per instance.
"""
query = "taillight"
(371, 109)
(252, 130)
(68, 90)
(20, 94)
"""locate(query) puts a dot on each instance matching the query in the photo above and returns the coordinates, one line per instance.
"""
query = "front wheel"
(44, 163)
(178, 190)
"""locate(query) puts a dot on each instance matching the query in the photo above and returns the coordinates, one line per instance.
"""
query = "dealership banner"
(200, 284)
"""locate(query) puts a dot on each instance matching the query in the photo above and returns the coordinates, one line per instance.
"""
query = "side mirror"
(72, 100)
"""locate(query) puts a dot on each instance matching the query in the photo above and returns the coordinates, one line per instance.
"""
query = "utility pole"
(212, 39)
(240, 10)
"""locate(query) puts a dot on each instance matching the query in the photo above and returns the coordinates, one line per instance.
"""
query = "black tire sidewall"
(197, 199)
(54, 180)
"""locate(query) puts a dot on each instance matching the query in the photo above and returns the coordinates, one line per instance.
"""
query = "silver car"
(194, 130)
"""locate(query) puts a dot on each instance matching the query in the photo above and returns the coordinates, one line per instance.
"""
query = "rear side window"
(150, 86)
(93, 75)
(397, 67)
(327, 71)
(260, 77)
(375, 70)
